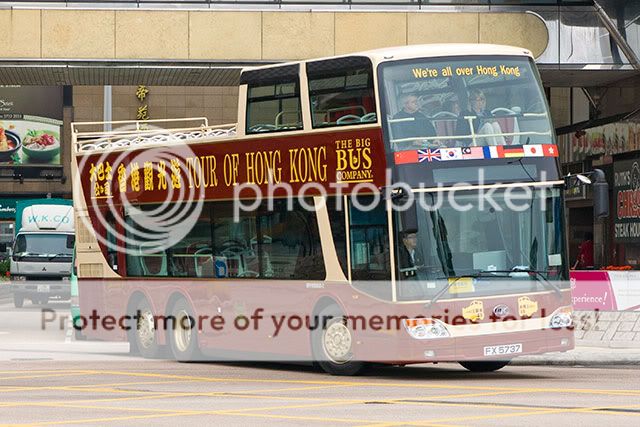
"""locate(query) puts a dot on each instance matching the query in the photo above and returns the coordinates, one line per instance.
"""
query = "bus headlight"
(424, 329)
(19, 278)
(562, 317)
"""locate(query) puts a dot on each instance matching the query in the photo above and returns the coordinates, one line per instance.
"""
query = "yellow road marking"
(376, 384)
(24, 377)
(163, 394)
(313, 384)
(321, 419)
(38, 371)
(357, 383)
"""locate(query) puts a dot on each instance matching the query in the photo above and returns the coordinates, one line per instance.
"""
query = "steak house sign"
(325, 160)
(627, 194)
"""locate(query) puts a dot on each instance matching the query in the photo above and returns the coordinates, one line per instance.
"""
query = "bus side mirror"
(409, 218)
(600, 194)
(600, 190)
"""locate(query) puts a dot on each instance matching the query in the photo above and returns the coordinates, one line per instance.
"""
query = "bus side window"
(341, 92)
(369, 240)
(273, 100)
(338, 231)
(112, 244)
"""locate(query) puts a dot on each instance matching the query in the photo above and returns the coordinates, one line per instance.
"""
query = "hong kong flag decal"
(550, 150)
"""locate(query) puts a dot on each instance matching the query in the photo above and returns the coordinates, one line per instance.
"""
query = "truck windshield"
(58, 247)
(464, 102)
(455, 235)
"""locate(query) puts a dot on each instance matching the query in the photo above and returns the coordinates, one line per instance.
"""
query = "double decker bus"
(402, 205)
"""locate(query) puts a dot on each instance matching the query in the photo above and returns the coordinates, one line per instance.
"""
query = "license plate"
(498, 350)
(43, 288)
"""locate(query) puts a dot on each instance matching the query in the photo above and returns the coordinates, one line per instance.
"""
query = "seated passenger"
(483, 122)
(417, 128)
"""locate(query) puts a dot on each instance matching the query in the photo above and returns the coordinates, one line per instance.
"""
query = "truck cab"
(42, 251)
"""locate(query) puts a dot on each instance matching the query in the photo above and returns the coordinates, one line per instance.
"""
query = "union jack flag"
(428, 155)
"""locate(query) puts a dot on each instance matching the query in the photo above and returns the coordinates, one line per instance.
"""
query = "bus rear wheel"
(485, 366)
(332, 344)
(183, 335)
(144, 331)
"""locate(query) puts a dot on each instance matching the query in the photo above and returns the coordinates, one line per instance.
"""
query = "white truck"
(42, 251)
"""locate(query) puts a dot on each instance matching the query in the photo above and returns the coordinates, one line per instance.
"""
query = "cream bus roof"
(451, 49)
(421, 51)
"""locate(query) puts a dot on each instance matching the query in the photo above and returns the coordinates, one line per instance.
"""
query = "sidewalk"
(584, 356)
(5, 296)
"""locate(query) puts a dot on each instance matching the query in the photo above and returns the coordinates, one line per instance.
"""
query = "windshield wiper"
(22, 255)
(57, 255)
(541, 278)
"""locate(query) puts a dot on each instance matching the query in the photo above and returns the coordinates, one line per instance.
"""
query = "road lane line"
(386, 385)
(25, 377)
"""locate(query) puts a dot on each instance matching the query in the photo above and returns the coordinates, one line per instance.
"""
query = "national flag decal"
(404, 157)
(428, 155)
(469, 153)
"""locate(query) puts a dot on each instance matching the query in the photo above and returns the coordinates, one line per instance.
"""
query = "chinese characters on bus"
(129, 177)
(343, 161)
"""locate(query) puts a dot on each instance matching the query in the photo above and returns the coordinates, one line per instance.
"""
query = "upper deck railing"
(135, 133)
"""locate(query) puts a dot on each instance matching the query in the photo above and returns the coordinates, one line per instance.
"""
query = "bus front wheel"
(487, 366)
(332, 344)
(144, 332)
(183, 334)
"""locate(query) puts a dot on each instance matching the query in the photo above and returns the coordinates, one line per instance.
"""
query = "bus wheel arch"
(332, 340)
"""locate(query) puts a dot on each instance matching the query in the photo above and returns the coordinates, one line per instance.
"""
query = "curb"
(583, 356)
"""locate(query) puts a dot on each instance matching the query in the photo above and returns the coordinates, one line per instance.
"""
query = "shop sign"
(30, 126)
(143, 109)
(612, 138)
(7, 208)
(626, 187)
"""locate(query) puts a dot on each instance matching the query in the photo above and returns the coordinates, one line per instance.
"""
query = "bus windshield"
(463, 102)
(506, 237)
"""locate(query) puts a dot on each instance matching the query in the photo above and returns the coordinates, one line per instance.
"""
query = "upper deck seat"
(152, 263)
(444, 123)
(506, 118)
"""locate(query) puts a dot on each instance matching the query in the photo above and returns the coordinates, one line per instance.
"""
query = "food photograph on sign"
(32, 141)
(30, 125)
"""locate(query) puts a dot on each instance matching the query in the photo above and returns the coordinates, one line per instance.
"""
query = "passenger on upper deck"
(483, 122)
(418, 127)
